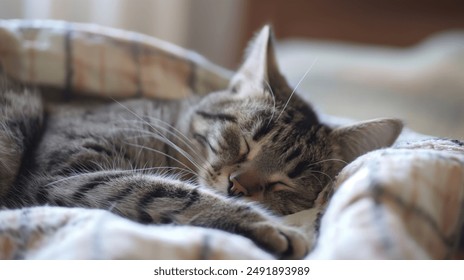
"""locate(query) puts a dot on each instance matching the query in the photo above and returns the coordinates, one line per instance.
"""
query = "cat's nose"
(247, 183)
(236, 189)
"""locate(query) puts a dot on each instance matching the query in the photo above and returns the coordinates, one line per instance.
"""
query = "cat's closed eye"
(278, 186)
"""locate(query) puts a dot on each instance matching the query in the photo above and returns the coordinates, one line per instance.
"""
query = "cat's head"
(263, 145)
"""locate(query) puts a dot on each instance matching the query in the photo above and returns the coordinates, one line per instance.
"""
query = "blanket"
(396, 203)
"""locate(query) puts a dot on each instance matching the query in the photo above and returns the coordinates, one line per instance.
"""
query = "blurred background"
(371, 58)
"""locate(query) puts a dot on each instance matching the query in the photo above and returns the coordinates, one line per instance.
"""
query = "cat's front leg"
(153, 199)
(249, 220)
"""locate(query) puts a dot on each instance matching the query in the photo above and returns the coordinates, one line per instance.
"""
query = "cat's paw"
(283, 241)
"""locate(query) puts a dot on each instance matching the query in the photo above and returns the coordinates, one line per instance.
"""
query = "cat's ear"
(360, 138)
(260, 68)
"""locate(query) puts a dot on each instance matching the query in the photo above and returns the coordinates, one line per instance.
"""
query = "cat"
(234, 160)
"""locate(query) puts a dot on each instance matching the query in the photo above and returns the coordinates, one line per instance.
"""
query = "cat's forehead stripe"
(299, 168)
(217, 116)
(264, 128)
(293, 155)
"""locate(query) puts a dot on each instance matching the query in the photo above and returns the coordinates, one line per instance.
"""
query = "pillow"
(104, 62)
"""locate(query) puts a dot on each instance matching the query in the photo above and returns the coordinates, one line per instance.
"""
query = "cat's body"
(189, 161)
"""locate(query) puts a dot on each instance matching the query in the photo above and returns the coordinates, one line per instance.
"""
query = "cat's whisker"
(173, 145)
(165, 169)
(317, 178)
(330, 159)
(145, 164)
(323, 173)
(297, 85)
(158, 135)
(181, 171)
(161, 153)
(63, 180)
(273, 100)
(178, 136)
(135, 170)
(149, 124)
(164, 139)
(181, 136)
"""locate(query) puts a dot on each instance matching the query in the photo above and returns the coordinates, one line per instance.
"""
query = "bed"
(402, 202)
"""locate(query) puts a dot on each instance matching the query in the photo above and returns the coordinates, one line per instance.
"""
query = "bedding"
(403, 202)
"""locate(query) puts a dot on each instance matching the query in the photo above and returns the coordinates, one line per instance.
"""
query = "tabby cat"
(198, 161)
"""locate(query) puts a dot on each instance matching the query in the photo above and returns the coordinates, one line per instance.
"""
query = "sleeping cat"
(198, 161)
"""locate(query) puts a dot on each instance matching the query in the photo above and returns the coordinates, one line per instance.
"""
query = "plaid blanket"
(401, 202)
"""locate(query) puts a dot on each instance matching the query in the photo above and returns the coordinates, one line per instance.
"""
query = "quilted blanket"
(403, 202)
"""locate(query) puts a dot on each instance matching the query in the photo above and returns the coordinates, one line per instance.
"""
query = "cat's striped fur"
(195, 161)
